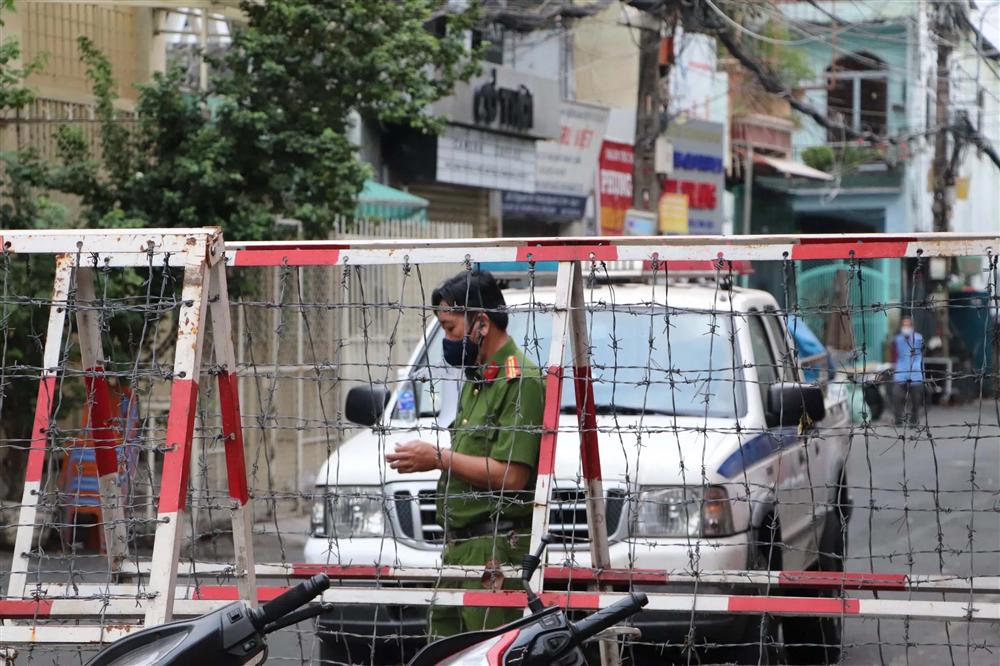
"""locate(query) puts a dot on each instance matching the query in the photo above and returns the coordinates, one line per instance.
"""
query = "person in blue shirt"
(908, 374)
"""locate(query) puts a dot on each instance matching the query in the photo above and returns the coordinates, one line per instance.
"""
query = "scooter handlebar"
(594, 624)
(284, 604)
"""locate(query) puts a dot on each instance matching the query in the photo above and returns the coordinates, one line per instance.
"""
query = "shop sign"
(698, 175)
(673, 214)
(564, 173)
(554, 207)
(614, 189)
(566, 165)
(511, 108)
(640, 222)
(503, 100)
(484, 159)
(693, 76)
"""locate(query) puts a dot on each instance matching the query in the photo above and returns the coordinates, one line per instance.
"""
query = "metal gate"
(870, 295)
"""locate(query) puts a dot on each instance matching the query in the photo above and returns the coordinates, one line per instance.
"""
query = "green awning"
(386, 203)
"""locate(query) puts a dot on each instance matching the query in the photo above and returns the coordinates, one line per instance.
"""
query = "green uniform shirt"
(499, 416)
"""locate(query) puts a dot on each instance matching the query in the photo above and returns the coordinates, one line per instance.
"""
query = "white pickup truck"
(715, 456)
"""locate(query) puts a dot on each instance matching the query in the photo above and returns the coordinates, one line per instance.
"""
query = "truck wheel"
(810, 641)
(833, 541)
(332, 651)
(816, 640)
(760, 639)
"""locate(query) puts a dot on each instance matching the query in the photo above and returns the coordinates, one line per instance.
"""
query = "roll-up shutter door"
(455, 203)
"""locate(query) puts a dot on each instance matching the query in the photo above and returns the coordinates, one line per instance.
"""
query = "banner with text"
(614, 186)
(564, 172)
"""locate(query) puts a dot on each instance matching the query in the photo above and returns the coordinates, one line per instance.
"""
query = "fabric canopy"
(383, 202)
(791, 167)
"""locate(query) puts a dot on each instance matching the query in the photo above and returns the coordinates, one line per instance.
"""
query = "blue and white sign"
(549, 206)
(640, 223)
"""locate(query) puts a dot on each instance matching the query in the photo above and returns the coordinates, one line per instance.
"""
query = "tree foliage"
(267, 138)
(842, 160)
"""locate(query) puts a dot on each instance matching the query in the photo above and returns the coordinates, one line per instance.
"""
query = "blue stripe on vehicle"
(757, 448)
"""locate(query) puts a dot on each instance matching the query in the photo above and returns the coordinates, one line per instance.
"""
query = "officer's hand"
(414, 456)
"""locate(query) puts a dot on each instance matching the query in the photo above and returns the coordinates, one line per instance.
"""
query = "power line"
(772, 84)
(764, 38)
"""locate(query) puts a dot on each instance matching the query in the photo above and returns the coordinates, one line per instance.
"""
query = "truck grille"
(416, 514)
(568, 514)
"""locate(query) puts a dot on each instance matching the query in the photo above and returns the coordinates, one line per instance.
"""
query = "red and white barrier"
(206, 598)
(47, 396)
(633, 248)
(204, 258)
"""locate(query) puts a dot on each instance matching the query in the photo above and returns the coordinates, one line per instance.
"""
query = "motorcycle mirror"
(531, 561)
(529, 565)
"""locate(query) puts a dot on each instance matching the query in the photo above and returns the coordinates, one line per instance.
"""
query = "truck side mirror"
(365, 404)
(787, 402)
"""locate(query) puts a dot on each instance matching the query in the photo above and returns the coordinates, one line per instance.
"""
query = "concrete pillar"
(157, 51)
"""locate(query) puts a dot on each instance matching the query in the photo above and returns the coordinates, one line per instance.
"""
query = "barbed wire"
(679, 367)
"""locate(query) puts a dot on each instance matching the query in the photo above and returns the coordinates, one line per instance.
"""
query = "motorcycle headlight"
(682, 511)
(358, 511)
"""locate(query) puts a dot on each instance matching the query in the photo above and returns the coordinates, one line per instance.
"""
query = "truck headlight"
(317, 522)
(346, 512)
(682, 511)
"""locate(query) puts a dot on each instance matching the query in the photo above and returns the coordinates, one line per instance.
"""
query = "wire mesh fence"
(803, 472)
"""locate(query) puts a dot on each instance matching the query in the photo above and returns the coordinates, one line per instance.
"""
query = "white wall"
(538, 52)
(980, 211)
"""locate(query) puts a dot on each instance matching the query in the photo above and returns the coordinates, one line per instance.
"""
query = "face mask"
(907, 331)
(460, 353)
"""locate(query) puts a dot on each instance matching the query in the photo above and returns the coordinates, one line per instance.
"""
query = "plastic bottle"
(406, 405)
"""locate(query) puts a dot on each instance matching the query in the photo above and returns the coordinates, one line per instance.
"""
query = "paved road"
(888, 524)
(960, 538)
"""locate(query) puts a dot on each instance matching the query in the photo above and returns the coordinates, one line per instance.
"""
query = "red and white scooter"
(235, 634)
(542, 638)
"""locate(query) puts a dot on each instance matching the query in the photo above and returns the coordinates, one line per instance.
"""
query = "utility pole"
(648, 110)
(946, 26)
(945, 23)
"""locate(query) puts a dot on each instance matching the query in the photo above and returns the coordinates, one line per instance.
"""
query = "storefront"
(488, 147)
(564, 177)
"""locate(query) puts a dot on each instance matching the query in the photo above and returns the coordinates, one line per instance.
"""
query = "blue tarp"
(806, 343)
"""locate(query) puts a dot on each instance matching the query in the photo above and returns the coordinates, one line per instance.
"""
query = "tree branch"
(966, 131)
(773, 85)
(963, 131)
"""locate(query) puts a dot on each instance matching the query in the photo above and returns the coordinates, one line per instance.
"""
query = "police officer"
(487, 483)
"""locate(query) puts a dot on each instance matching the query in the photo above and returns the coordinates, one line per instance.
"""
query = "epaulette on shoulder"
(512, 367)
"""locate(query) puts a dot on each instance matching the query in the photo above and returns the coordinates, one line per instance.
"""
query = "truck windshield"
(643, 361)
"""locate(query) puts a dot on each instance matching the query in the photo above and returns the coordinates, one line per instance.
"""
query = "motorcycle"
(231, 636)
(236, 633)
(544, 637)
